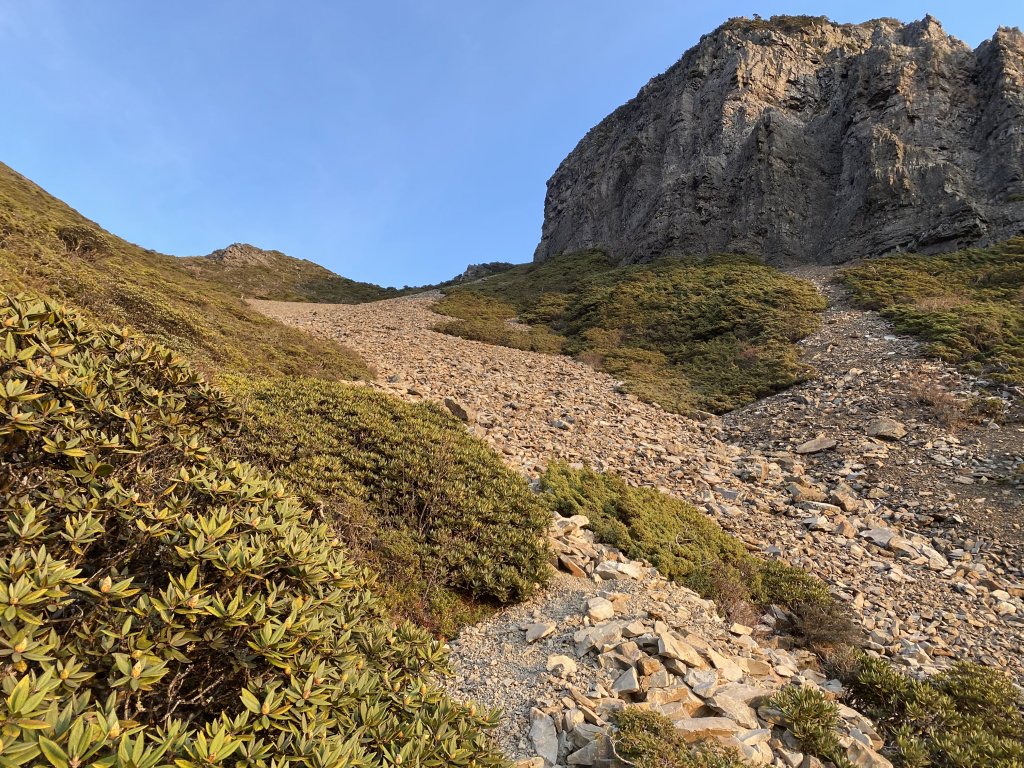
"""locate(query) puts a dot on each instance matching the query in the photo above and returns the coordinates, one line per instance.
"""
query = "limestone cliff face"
(804, 141)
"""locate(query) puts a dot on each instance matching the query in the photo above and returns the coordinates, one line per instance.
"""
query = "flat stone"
(673, 694)
(672, 647)
(544, 737)
(817, 445)
(535, 632)
(597, 637)
(885, 428)
(600, 609)
(695, 729)
(727, 668)
(627, 682)
(703, 682)
(734, 709)
(587, 755)
(862, 756)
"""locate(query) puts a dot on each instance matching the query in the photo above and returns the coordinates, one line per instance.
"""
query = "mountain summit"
(804, 141)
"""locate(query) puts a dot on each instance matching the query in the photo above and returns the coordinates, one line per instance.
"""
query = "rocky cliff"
(804, 141)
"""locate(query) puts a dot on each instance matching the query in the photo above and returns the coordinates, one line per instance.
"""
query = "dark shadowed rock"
(804, 141)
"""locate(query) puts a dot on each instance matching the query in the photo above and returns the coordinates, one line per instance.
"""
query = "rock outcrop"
(804, 141)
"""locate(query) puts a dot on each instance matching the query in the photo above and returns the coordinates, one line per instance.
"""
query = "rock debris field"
(863, 475)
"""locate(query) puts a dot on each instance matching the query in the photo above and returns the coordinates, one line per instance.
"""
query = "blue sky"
(394, 142)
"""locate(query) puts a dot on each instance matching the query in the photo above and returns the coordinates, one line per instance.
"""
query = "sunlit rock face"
(805, 142)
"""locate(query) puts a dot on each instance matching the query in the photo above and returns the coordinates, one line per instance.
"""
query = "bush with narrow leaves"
(648, 739)
(433, 510)
(162, 606)
(968, 715)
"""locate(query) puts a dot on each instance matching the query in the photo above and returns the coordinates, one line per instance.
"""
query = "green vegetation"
(50, 249)
(163, 605)
(446, 543)
(813, 720)
(968, 307)
(967, 716)
(710, 334)
(689, 547)
(273, 275)
(494, 322)
(647, 739)
(785, 23)
(430, 508)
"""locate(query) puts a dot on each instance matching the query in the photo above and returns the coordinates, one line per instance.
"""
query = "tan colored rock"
(695, 729)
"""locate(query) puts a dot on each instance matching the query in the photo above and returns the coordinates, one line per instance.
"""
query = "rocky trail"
(859, 475)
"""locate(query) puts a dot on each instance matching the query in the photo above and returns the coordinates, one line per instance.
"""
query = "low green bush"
(493, 322)
(161, 605)
(689, 547)
(711, 334)
(428, 506)
(647, 739)
(969, 715)
(813, 720)
(968, 306)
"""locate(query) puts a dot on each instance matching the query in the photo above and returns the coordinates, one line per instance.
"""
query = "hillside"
(49, 248)
(967, 306)
(689, 334)
(255, 273)
(908, 518)
(804, 141)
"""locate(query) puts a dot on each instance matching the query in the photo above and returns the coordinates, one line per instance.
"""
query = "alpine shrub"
(432, 509)
(160, 605)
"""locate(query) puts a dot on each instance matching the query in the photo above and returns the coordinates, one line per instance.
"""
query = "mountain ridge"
(804, 141)
(270, 274)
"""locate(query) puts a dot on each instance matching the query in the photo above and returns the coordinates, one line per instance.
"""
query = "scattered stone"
(817, 445)
(886, 429)
(458, 410)
(561, 666)
(535, 632)
(600, 609)
(544, 737)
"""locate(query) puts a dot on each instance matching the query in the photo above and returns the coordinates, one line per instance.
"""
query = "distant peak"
(244, 254)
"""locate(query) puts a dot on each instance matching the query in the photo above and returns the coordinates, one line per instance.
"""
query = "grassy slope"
(967, 306)
(367, 459)
(710, 334)
(273, 275)
(49, 248)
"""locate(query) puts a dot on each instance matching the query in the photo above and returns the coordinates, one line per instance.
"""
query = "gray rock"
(600, 609)
(734, 709)
(627, 682)
(817, 445)
(702, 681)
(535, 632)
(886, 428)
(672, 647)
(561, 666)
(543, 736)
(587, 755)
(804, 141)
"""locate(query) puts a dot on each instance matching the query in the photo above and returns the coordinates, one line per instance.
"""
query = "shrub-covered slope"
(259, 274)
(710, 334)
(51, 249)
(162, 604)
(431, 509)
(689, 547)
(967, 306)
